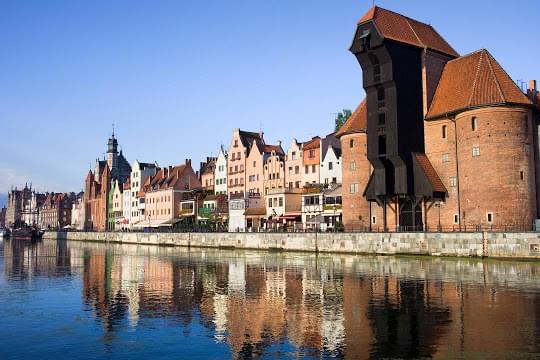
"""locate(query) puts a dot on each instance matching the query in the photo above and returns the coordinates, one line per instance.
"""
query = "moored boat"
(26, 233)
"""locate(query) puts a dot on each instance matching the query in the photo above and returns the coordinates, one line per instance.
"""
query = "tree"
(342, 117)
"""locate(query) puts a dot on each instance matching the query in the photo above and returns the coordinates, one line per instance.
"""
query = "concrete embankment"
(496, 245)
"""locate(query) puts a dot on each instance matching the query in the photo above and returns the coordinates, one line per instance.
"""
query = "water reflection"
(291, 305)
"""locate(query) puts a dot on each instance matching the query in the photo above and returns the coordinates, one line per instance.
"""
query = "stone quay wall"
(495, 245)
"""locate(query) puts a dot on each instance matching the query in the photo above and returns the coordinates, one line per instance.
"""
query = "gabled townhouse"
(244, 207)
(294, 166)
(281, 203)
(330, 167)
(139, 174)
(220, 175)
(207, 174)
(126, 208)
(117, 202)
(312, 160)
(165, 191)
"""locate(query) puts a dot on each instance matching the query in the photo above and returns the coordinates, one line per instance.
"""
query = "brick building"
(462, 154)
(55, 212)
(98, 183)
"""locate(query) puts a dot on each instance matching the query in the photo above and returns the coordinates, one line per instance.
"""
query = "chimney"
(532, 91)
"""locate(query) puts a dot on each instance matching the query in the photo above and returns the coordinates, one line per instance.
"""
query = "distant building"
(23, 206)
(139, 174)
(294, 166)
(207, 174)
(165, 191)
(322, 206)
(77, 212)
(97, 186)
(220, 175)
(330, 167)
(55, 212)
(214, 211)
(246, 207)
(312, 161)
(3, 212)
(116, 205)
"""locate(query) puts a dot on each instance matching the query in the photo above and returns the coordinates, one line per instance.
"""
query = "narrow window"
(313, 169)
(330, 166)
(353, 165)
(382, 119)
(444, 131)
(380, 97)
(307, 169)
(522, 175)
(474, 123)
(351, 143)
(489, 217)
(456, 219)
(376, 71)
(453, 181)
(374, 220)
(476, 151)
(382, 144)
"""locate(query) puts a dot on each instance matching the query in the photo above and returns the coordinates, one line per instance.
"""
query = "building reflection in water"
(340, 306)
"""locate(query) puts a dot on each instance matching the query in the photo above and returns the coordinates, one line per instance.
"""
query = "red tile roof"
(402, 29)
(430, 173)
(471, 81)
(314, 143)
(165, 178)
(357, 122)
(269, 148)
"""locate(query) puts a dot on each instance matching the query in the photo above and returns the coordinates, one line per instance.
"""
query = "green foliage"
(342, 117)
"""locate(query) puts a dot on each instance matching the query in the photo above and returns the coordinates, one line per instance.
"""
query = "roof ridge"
(495, 77)
(466, 55)
(478, 65)
(407, 20)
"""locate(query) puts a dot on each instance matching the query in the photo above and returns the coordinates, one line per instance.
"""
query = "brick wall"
(500, 180)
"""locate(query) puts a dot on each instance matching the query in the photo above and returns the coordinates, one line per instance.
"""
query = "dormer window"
(365, 40)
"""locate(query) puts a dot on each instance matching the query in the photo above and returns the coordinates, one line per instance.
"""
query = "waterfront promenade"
(481, 244)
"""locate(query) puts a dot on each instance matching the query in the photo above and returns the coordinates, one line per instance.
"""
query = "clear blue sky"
(177, 76)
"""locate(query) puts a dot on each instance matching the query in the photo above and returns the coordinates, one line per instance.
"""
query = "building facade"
(165, 191)
(55, 212)
(140, 172)
(207, 174)
(330, 166)
(312, 161)
(294, 166)
(98, 183)
(220, 175)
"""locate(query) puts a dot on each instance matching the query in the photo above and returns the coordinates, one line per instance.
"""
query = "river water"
(67, 300)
